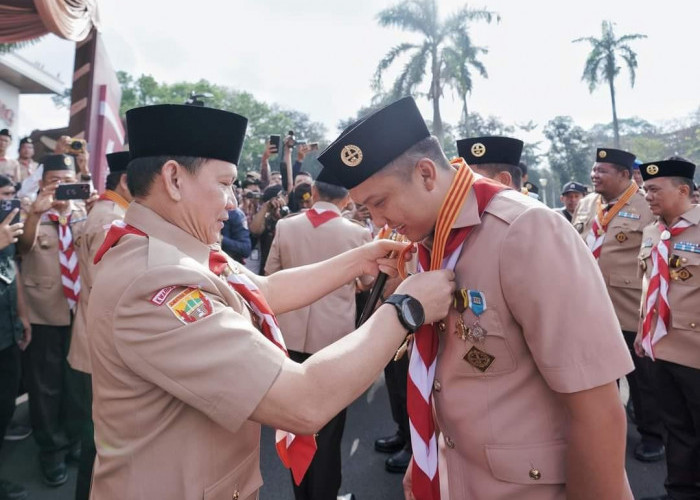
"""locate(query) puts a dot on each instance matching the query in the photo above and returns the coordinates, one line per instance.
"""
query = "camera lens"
(76, 145)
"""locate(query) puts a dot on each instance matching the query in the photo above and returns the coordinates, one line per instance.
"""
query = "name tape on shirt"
(161, 295)
(190, 305)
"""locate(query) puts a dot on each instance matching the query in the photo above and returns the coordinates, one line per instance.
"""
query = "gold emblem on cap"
(351, 155)
(602, 154)
(652, 169)
(478, 149)
(66, 160)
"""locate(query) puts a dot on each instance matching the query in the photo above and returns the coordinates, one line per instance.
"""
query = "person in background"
(51, 281)
(15, 329)
(8, 166)
(494, 157)
(611, 221)
(110, 207)
(696, 194)
(27, 165)
(636, 174)
(273, 208)
(312, 236)
(235, 237)
(668, 335)
(571, 195)
(301, 198)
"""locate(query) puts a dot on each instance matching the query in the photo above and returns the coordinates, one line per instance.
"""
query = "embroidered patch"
(161, 295)
(190, 305)
(629, 215)
(687, 247)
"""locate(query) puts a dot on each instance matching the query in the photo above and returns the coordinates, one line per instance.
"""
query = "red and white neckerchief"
(447, 246)
(296, 452)
(320, 216)
(68, 258)
(656, 300)
(603, 216)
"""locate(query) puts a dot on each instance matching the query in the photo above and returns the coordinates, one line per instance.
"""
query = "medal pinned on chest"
(476, 301)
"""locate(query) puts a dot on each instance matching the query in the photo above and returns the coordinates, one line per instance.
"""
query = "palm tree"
(442, 50)
(601, 64)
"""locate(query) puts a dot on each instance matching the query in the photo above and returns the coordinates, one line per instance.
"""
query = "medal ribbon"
(595, 238)
(68, 258)
(296, 452)
(656, 300)
(447, 245)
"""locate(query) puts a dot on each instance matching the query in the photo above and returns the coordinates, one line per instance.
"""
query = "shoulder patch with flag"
(190, 305)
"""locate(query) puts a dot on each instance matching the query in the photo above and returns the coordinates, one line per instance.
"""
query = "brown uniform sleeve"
(556, 293)
(274, 257)
(219, 364)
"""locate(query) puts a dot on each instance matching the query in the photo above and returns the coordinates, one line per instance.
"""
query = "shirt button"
(684, 259)
(235, 495)
(535, 474)
(627, 282)
(437, 387)
(692, 325)
(448, 441)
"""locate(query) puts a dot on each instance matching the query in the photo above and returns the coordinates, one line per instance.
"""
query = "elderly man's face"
(206, 200)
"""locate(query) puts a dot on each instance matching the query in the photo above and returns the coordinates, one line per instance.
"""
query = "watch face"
(412, 312)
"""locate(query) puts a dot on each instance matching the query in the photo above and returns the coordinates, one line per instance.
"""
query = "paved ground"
(363, 468)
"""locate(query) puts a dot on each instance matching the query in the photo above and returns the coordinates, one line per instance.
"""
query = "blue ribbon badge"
(477, 302)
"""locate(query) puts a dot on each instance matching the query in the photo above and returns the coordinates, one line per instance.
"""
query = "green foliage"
(6, 48)
(570, 154)
(445, 52)
(263, 119)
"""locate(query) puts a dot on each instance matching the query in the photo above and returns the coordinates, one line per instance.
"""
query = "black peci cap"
(531, 188)
(490, 149)
(667, 168)
(371, 143)
(181, 130)
(575, 187)
(58, 162)
(25, 140)
(118, 161)
(616, 156)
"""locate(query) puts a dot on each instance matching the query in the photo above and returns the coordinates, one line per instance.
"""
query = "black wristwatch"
(410, 311)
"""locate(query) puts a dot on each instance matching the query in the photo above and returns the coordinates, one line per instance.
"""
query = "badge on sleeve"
(190, 305)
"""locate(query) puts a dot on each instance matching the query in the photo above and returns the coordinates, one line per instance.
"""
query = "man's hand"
(44, 199)
(407, 482)
(380, 256)
(90, 202)
(81, 159)
(10, 232)
(289, 142)
(302, 151)
(26, 333)
(638, 349)
(270, 149)
(433, 290)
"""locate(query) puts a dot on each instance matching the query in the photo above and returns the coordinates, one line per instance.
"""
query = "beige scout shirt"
(682, 343)
(618, 262)
(103, 213)
(547, 338)
(41, 271)
(297, 242)
(172, 399)
(11, 169)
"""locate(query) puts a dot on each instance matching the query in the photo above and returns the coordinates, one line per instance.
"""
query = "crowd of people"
(130, 331)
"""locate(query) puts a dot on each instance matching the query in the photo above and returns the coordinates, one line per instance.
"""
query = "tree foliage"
(263, 119)
(570, 154)
(602, 63)
(444, 52)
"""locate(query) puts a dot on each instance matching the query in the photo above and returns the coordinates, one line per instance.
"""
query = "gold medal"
(477, 333)
(462, 329)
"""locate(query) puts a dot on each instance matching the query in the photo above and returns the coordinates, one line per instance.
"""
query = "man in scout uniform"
(187, 356)
(611, 221)
(51, 282)
(111, 206)
(669, 331)
(522, 383)
(571, 195)
(501, 162)
(26, 161)
(306, 238)
(8, 166)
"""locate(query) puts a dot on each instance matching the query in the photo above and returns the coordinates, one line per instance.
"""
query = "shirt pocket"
(495, 344)
(686, 321)
(541, 463)
(32, 281)
(242, 483)
(625, 281)
(687, 270)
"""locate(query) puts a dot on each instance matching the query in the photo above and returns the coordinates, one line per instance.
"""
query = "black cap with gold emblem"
(615, 156)
(490, 149)
(370, 144)
(25, 140)
(667, 168)
(118, 161)
(58, 162)
(182, 130)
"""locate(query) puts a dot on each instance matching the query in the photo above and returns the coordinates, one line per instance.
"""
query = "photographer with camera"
(273, 208)
(51, 279)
